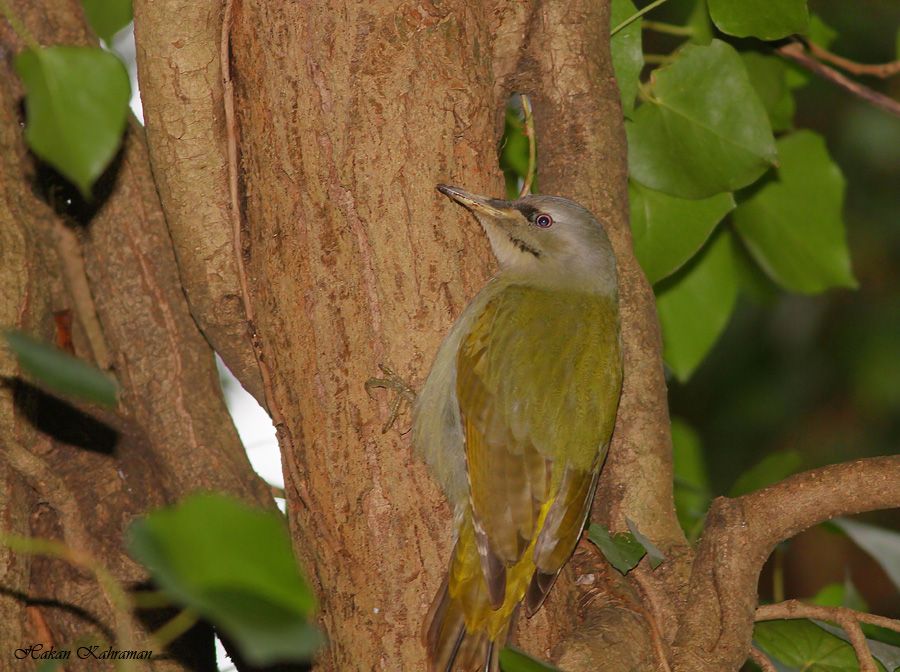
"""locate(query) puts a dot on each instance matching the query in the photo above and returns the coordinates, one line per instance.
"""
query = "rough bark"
(78, 474)
(181, 74)
(354, 260)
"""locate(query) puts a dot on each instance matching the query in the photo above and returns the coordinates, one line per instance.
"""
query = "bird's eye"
(544, 221)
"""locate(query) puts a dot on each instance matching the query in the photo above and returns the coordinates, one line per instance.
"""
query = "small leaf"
(692, 492)
(765, 19)
(882, 544)
(769, 470)
(668, 231)
(107, 17)
(233, 565)
(704, 130)
(820, 32)
(803, 645)
(654, 555)
(793, 226)
(622, 550)
(627, 54)
(60, 372)
(840, 595)
(768, 75)
(695, 304)
(516, 660)
(77, 105)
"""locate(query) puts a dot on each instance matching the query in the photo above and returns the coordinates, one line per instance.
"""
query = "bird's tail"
(451, 646)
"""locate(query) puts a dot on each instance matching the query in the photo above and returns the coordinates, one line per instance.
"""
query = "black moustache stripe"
(525, 247)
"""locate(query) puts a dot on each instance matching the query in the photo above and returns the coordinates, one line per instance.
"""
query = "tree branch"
(741, 533)
(848, 619)
(882, 70)
(794, 51)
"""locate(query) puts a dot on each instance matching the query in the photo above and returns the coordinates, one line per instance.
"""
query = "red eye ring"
(544, 221)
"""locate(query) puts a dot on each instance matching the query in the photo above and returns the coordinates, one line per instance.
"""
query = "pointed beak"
(479, 205)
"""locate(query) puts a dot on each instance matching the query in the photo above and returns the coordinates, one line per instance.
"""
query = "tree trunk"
(104, 274)
(347, 116)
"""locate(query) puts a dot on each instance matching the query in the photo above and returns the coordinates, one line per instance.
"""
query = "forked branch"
(740, 535)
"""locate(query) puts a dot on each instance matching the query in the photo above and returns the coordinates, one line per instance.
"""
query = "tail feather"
(451, 648)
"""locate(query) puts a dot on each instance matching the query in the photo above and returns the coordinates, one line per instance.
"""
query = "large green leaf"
(768, 75)
(694, 305)
(793, 226)
(765, 19)
(622, 550)
(771, 469)
(704, 129)
(233, 565)
(886, 654)
(667, 230)
(60, 372)
(77, 105)
(627, 54)
(802, 645)
(107, 17)
(516, 660)
(692, 492)
(882, 544)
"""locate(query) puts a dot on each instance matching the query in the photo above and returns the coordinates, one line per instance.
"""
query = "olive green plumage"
(516, 416)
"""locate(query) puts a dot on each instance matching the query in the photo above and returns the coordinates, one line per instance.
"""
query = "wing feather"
(537, 382)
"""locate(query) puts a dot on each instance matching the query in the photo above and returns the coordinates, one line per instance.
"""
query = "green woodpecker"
(516, 416)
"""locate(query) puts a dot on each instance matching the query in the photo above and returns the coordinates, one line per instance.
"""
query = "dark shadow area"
(61, 420)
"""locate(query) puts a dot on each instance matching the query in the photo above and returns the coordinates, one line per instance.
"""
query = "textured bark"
(181, 79)
(355, 260)
(82, 475)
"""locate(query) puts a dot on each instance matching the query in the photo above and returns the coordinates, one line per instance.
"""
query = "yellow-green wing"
(538, 379)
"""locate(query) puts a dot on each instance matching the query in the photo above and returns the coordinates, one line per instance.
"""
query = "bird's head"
(544, 240)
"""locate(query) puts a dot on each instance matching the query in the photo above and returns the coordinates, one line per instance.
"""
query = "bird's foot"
(403, 391)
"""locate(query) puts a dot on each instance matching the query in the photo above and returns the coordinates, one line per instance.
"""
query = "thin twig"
(848, 619)
(636, 16)
(762, 660)
(795, 52)
(528, 130)
(667, 28)
(882, 70)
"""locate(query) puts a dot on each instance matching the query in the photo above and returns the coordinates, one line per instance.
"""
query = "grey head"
(544, 240)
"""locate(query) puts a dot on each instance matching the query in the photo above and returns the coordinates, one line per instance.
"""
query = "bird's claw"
(403, 392)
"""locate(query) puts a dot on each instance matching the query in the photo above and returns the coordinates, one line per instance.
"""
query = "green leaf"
(77, 105)
(513, 151)
(622, 550)
(820, 32)
(886, 654)
(840, 595)
(765, 19)
(695, 304)
(627, 53)
(60, 372)
(793, 225)
(704, 130)
(654, 555)
(233, 565)
(692, 493)
(698, 20)
(801, 644)
(768, 75)
(771, 469)
(107, 17)
(516, 660)
(668, 231)
(883, 545)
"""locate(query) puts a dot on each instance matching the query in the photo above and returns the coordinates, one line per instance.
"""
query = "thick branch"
(714, 634)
